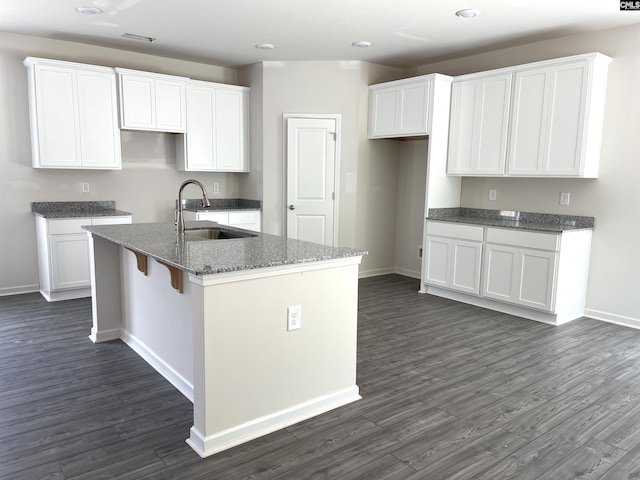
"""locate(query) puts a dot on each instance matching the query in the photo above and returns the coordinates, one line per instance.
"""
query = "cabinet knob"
(292, 207)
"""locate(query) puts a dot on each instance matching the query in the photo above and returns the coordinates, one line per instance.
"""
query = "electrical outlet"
(294, 317)
(493, 194)
(85, 187)
(216, 187)
(564, 198)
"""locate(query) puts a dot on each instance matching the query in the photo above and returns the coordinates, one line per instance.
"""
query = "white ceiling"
(225, 32)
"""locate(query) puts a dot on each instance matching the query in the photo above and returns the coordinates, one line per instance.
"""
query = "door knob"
(292, 207)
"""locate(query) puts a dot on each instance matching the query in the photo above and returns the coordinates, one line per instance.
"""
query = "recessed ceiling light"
(89, 10)
(468, 13)
(265, 46)
(142, 38)
(361, 44)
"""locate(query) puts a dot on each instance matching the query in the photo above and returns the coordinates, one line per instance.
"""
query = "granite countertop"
(77, 209)
(196, 255)
(219, 204)
(541, 222)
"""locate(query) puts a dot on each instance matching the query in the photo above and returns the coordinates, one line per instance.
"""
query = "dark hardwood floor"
(450, 391)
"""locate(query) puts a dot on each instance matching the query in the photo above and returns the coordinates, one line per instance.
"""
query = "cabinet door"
(478, 126)
(56, 116)
(383, 109)
(465, 266)
(413, 104)
(231, 125)
(499, 272)
(437, 258)
(220, 217)
(69, 261)
(137, 102)
(200, 152)
(170, 107)
(98, 120)
(567, 100)
(548, 121)
(536, 279)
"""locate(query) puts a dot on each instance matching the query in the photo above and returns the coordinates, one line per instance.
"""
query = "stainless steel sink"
(216, 233)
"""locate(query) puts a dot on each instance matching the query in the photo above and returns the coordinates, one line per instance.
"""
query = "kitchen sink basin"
(216, 234)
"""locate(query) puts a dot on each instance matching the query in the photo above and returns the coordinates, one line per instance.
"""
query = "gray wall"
(368, 169)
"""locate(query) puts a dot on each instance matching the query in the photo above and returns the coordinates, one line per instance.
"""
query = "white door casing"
(312, 159)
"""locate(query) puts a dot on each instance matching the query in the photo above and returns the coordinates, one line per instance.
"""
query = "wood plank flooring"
(450, 391)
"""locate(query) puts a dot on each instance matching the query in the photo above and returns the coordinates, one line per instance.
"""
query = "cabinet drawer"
(455, 230)
(68, 225)
(238, 218)
(110, 220)
(519, 238)
(220, 217)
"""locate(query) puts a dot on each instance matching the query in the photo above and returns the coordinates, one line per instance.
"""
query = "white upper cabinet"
(554, 126)
(73, 114)
(478, 125)
(217, 138)
(152, 101)
(557, 119)
(401, 108)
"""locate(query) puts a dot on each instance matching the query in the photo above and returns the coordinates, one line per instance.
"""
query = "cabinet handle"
(292, 207)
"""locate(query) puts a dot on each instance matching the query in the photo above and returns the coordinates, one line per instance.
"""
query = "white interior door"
(311, 149)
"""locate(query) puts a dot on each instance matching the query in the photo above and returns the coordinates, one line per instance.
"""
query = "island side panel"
(157, 321)
(251, 375)
(105, 289)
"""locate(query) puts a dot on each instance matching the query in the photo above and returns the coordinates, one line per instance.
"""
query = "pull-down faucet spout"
(179, 215)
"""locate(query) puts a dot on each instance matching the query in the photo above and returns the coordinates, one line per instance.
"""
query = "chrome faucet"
(179, 215)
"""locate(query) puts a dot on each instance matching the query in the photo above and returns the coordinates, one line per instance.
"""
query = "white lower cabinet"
(542, 276)
(453, 256)
(522, 276)
(63, 255)
(247, 219)
(69, 261)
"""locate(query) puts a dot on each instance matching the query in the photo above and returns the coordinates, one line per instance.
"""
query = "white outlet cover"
(493, 194)
(294, 317)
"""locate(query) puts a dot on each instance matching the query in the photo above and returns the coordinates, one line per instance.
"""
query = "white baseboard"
(6, 291)
(104, 335)
(375, 273)
(518, 311)
(205, 446)
(387, 271)
(612, 318)
(173, 377)
(407, 273)
(66, 294)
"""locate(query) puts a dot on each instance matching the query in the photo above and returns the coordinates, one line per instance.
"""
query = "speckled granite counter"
(76, 209)
(541, 222)
(203, 257)
(195, 204)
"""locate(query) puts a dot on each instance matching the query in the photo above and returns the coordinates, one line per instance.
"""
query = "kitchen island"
(212, 316)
